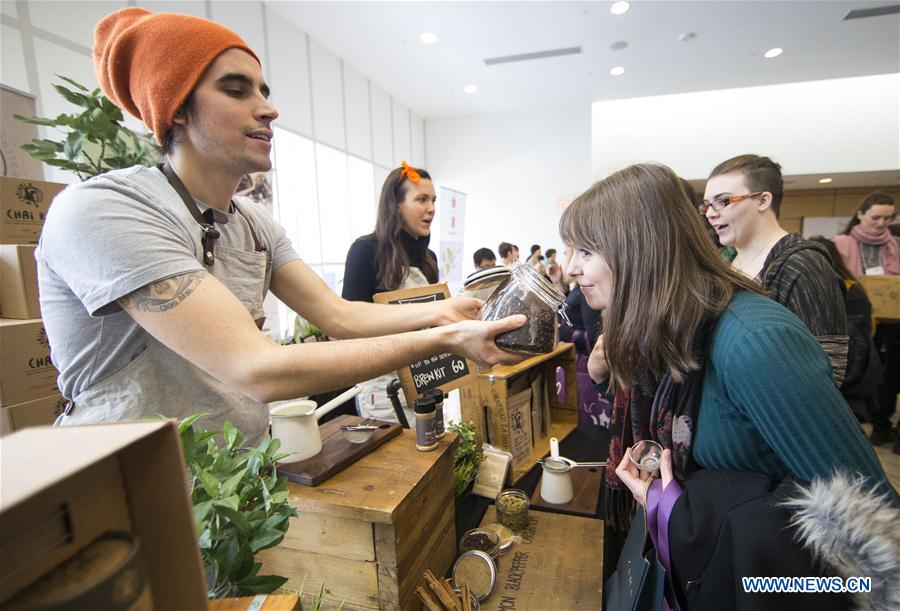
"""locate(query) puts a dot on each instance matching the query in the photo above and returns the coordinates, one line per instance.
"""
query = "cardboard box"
(23, 208)
(884, 293)
(18, 282)
(63, 487)
(40, 412)
(26, 371)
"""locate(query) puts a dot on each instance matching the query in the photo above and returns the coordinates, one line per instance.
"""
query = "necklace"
(749, 265)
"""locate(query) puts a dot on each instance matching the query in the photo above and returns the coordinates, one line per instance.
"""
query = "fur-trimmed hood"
(855, 530)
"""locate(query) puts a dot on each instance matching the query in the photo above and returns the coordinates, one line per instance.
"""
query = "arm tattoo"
(163, 295)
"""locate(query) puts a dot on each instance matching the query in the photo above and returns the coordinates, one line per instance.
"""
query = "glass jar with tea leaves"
(526, 292)
(512, 509)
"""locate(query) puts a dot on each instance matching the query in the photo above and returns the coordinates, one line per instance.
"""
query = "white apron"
(373, 401)
(159, 381)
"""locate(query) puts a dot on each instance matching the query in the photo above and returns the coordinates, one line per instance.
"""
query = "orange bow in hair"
(409, 172)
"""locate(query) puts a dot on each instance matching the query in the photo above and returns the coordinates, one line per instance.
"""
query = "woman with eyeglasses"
(741, 203)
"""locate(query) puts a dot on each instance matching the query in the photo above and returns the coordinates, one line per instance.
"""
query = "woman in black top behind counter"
(394, 256)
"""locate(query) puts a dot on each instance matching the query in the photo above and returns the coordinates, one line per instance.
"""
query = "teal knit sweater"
(769, 404)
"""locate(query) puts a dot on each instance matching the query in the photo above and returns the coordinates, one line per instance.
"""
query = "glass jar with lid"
(527, 292)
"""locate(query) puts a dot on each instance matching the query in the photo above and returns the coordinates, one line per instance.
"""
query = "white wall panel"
(401, 133)
(514, 168)
(812, 127)
(12, 64)
(73, 21)
(7, 7)
(417, 127)
(288, 75)
(197, 8)
(246, 19)
(382, 136)
(356, 101)
(328, 99)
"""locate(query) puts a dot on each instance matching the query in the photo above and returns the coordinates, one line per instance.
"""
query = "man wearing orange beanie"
(152, 280)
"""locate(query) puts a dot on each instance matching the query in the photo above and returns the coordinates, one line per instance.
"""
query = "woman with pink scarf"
(868, 247)
(866, 244)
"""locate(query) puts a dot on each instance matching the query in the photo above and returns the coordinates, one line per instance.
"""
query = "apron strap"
(210, 233)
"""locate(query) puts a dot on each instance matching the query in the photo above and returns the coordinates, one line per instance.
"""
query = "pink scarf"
(848, 246)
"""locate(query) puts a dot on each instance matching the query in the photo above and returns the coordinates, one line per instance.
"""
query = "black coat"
(727, 525)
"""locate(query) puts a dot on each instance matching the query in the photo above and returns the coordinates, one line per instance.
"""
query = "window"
(324, 199)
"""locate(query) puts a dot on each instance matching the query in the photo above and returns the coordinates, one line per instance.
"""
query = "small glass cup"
(512, 509)
(646, 455)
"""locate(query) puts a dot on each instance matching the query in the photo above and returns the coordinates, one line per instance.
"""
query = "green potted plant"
(94, 141)
(467, 458)
(240, 506)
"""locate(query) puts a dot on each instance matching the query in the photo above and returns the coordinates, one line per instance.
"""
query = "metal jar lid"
(478, 570)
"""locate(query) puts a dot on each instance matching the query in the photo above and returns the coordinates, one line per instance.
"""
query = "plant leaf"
(242, 564)
(231, 484)
(190, 420)
(209, 482)
(265, 538)
(230, 502)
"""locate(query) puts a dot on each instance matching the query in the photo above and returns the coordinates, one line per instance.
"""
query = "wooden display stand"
(486, 402)
(370, 532)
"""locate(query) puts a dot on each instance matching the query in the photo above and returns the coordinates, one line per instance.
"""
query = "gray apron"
(159, 381)
(372, 401)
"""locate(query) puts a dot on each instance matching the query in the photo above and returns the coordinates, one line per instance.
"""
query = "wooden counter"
(370, 531)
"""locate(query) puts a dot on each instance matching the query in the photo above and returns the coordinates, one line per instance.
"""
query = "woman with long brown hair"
(721, 376)
(394, 256)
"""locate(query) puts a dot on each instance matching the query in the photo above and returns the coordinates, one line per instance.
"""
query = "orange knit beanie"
(149, 63)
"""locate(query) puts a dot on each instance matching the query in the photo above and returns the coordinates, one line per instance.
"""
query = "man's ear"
(180, 118)
(765, 201)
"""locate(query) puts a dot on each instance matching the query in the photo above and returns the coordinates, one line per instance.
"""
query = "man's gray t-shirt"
(108, 237)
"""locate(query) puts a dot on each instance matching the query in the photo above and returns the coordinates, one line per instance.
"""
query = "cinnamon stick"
(466, 597)
(444, 594)
(428, 600)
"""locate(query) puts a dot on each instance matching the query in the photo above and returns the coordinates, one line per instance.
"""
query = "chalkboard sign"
(445, 371)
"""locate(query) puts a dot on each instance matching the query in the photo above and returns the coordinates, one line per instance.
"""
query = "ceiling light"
(824, 181)
(470, 88)
(617, 71)
(773, 52)
(687, 37)
(619, 8)
(618, 46)
(429, 38)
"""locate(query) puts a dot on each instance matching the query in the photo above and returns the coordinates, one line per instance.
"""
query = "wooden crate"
(371, 531)
(486, 403)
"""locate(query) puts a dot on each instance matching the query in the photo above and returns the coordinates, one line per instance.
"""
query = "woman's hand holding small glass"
(638, 480)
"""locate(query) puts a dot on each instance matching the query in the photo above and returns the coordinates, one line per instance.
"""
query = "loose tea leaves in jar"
(526, 292)
(481, 540)
(512, 509)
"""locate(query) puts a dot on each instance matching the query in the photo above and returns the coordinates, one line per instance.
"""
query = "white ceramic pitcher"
(556, 483)
(296, 425)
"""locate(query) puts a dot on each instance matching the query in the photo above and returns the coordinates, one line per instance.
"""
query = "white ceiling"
(381, 40)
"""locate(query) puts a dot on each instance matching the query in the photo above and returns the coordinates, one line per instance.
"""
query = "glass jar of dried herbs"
(512, 509)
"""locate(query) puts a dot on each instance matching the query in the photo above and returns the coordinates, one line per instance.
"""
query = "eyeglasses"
(726, 200)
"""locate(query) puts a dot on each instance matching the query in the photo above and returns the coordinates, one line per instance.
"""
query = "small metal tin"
(478, 570)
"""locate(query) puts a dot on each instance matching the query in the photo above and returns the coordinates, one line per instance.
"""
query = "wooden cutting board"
(337, 453)
(586, 486)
